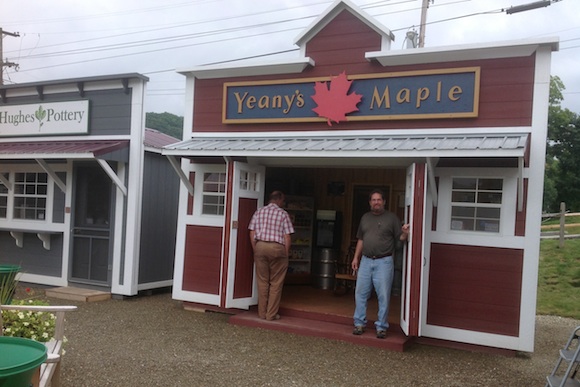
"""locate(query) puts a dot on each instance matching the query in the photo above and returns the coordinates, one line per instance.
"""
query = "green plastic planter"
(19, 358)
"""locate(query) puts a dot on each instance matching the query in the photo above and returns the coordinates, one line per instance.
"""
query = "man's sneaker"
(381, 334)
(358, 330)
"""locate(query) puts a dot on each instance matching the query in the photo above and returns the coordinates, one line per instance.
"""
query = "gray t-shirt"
(379, 233)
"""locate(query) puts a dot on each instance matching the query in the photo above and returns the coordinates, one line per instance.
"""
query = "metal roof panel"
(387, 146)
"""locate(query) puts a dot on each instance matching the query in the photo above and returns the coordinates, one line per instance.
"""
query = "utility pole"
(423, 22)
(2, 63)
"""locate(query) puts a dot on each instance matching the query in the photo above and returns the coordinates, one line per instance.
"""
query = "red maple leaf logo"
(335, 103)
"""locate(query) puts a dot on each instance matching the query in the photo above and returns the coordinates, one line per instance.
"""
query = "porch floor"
(308, 311)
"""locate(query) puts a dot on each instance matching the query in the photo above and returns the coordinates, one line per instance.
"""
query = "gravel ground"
(152, 341)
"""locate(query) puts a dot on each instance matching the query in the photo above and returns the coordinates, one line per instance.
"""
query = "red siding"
(505, 94)
(202, 261)
(244, 258)
(475, 288)
(344, 33)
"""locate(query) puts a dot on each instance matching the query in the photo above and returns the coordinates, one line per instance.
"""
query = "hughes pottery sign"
(44, 118)
(445, 93)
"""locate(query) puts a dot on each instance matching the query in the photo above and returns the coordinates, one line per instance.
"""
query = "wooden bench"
(348, 279)
(49, 372)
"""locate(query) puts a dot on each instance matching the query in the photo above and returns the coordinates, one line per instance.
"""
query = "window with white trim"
(214, 193)
(248, 180)
(30, 195)
(476, 204)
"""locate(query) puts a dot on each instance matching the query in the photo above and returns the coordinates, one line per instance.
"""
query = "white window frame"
(39, 212)
(249, 180)
(476, 205)
(508, 207)
(10, 220)
(198, 215)
(219, 195)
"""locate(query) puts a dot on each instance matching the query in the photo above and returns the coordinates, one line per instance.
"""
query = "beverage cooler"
(328, 229)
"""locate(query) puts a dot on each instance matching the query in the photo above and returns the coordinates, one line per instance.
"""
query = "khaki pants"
(271, 266)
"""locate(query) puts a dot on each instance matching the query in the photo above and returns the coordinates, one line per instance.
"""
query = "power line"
(206, 33)
(2, 62)
(218, 20)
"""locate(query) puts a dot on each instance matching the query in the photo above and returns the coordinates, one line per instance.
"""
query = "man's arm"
(357, 255)
(253, 239)
(404, 232)
(287, 243)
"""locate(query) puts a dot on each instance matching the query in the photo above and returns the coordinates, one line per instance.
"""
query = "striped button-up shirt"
(270, 224)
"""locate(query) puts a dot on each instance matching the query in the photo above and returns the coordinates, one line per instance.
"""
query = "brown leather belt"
(379, 257)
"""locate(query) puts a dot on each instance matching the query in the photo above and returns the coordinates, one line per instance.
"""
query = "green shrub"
(37, 326)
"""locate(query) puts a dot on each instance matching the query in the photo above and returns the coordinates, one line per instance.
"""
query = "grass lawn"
(559, 278)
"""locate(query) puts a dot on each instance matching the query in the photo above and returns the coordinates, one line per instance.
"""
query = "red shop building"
(454, 135)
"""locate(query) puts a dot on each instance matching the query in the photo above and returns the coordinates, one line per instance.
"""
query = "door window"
(249, 180)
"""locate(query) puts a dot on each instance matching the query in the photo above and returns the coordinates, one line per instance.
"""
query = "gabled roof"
(292, 66)
(331, 12)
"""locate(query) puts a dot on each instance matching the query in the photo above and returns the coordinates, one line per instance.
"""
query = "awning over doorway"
(82, 149)
(358, 146)
(41, 151)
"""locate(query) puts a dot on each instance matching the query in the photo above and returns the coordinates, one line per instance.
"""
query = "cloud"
(61, 39)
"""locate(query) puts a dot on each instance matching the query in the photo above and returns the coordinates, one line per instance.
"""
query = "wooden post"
(562, 223)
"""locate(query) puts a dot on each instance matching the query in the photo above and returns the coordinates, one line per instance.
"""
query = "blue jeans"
(377, 273)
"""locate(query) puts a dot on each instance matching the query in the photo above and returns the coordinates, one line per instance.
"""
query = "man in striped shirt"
(270, 235)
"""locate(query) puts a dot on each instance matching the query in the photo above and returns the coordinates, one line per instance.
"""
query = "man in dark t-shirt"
(373, 261)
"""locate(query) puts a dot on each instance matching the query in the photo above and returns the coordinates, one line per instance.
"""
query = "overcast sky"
(61, 39)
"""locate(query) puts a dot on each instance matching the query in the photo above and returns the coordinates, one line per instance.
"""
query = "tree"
(166, 123)
(562, 175)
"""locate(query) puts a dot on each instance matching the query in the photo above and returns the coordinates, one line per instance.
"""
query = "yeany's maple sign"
(442, 93)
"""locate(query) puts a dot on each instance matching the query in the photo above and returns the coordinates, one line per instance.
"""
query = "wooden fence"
(562, 215)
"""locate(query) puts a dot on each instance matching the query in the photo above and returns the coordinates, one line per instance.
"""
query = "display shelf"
(301, 211)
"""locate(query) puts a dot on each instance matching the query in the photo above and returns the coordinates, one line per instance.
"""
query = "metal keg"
(325, 269)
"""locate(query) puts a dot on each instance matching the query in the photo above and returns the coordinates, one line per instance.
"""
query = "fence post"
(562, 223)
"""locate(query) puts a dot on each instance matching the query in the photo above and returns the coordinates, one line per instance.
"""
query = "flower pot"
(8, 282)
(19, 358)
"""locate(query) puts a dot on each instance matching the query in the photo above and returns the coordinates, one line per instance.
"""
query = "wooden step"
(332, 329)
(77, 294)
